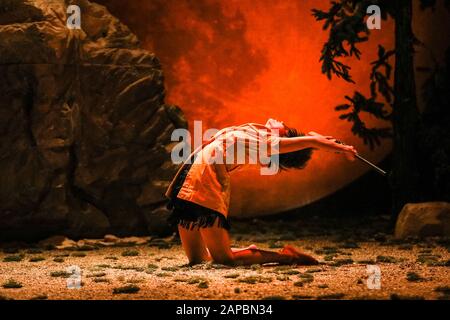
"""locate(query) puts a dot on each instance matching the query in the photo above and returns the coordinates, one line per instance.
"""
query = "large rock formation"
(85, 133)
(426, 219)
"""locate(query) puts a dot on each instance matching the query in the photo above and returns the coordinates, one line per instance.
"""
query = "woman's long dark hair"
(296, 159)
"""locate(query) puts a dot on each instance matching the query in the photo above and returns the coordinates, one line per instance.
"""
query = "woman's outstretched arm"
(316, 141)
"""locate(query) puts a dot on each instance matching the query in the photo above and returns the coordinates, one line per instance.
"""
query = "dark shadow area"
(369, 195)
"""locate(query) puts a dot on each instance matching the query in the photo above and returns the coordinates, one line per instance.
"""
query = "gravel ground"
(410, 269)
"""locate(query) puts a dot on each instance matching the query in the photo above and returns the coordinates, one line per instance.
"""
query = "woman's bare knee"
(218, 243)
(225, 260)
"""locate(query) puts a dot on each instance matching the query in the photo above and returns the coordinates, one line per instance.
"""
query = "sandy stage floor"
(157, 269)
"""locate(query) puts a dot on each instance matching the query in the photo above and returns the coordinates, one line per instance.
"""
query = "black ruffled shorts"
(189, 214)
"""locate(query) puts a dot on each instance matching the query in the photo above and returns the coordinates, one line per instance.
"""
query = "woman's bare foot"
(298, 256)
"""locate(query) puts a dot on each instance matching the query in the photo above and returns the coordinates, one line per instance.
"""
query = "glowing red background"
(233, 61)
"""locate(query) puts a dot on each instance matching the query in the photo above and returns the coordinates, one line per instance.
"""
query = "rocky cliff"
(85, 133)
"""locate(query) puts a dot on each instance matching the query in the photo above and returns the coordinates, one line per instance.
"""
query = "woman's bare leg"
(252, 246)
(193, 245)
(217, 241)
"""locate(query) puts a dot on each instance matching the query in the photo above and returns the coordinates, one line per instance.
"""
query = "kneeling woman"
(200, 192)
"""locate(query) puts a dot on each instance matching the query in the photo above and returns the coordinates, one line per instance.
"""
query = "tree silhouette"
(434, 133)
(345, 22)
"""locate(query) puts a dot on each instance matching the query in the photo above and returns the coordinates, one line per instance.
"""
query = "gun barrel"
(371, 164)
(381, 171)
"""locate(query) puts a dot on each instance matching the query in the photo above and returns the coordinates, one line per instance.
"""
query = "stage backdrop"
(228, 62)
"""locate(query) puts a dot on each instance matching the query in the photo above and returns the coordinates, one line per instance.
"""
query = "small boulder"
(110, 238)
(133, 241)
(58, 242)
(428, 219)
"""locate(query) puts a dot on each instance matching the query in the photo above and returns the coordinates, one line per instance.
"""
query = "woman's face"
(276, 126)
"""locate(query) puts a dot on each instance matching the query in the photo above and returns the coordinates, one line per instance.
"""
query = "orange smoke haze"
(228, 62)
